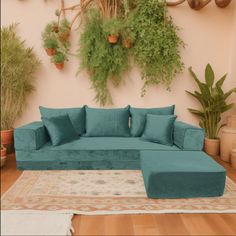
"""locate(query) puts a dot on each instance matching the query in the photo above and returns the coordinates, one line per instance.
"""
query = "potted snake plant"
(213, 103)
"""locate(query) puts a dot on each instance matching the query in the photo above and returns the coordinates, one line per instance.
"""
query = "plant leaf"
(220, 82)
(209, 75)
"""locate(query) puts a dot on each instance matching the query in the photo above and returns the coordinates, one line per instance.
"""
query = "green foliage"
(213, 101)
(57, 36)
(50, 43)
(112, 26)
(59, 57)
(103, 61)
(156, 48)
(18, 67)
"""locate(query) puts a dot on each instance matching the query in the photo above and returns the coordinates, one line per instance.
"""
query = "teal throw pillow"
(159, 129)
(76, 115)
(107, 122)
(138, 117)
(60, 129)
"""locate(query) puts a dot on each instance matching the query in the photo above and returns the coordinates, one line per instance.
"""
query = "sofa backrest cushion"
(159, 129)
(138, 117)
(60, 129)
(107, 122)
(76, 115)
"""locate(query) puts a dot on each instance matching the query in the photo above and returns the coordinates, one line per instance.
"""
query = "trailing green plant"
(112, 26)
(213, 101)
(18, 67)
(157, 45)
(103, 61)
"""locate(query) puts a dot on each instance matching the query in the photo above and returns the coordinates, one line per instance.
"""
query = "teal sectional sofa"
(114, 139)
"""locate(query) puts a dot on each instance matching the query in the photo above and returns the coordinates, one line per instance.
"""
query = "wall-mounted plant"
(112, 29)
(103, 61)
(59, 59)
(56, 40)
(157, 46)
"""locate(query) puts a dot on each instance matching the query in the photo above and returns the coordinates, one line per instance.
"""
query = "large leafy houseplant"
(18, 67)
(104, 61)
(213, 101)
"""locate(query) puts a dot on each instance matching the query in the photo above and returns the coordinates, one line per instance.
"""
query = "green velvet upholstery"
(159, 129)
(77, 116)
(60, 129)
(184, 174)
(138, 117)
(107, 122)
(88, 153)
(31, 136)
(188, 137)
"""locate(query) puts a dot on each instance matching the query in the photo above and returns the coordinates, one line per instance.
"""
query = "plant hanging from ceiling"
(105, 61)
(156, 47)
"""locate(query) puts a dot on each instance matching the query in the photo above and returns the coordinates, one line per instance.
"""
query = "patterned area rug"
(103, 192)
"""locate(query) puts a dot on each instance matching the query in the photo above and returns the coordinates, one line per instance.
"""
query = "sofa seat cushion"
(184, 174)
(88, 153)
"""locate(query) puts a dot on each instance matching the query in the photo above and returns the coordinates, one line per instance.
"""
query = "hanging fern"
(103, 60)
(157, 46)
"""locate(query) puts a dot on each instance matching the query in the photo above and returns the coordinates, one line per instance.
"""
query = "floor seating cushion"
(185, 174)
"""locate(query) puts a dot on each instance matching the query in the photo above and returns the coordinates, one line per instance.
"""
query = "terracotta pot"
(7, 136)
(55, 28)
(212, 146)
(222, 3)
(59, 66)
(3, 156)
(233, 158)
(50, 51)
(112, 38)
(127, 43)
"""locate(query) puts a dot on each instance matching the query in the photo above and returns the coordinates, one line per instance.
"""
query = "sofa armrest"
(188, 137)
(31, 136)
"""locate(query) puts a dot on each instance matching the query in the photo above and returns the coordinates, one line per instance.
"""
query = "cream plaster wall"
(209, 34)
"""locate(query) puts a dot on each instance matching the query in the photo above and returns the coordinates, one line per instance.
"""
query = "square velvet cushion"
(60, 129)
(76, 115)
(107, 122)
(159, 129)
(138, 117)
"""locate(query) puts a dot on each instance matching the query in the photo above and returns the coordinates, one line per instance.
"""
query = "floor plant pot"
(7, 137)
(3, 156)
(112, 38)
(50, 51)
(233, 158)
(59, 66)
(212, 146)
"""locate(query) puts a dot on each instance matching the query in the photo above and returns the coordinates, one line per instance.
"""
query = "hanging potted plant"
(17, 76)
(111, 28)
(64, 30)
(50, 45)
(3, 155)
(58, 60)
(213, 102)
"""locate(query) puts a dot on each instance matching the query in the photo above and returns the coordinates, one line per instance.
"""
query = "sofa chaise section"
(185, 174)
(34, 150)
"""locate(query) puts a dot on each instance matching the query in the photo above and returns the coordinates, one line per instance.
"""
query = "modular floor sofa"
(182, 168)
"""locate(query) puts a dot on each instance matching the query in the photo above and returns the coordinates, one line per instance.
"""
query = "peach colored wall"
(209, 34)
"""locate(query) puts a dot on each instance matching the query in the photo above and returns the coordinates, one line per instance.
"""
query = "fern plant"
(18, 67)
(103, 61)
(157, 46)
(213, 101)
